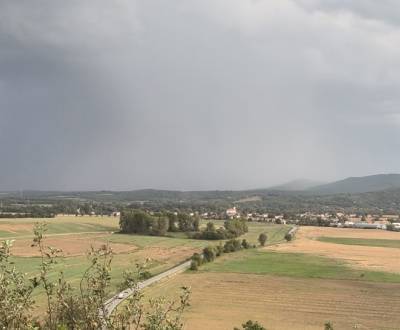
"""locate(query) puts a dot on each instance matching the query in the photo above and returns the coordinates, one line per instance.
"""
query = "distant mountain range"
(355, 185)
(372, 194)
(352, 185)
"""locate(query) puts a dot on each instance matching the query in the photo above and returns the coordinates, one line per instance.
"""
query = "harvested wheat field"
(225, 300)
(371, 257)
(164, 254)
(71, 245)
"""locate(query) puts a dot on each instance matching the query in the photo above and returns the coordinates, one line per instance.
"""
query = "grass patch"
(389, 243)
(294, 265)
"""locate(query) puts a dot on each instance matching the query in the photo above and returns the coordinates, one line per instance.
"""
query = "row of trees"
(232, 229)
(183, 222)
(83, 308)
(210, 253)
(158, 224)
(139, 222)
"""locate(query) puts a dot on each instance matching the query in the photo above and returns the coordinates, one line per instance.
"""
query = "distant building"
(231, 212)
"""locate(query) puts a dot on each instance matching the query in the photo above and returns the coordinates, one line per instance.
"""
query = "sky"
(196, 94)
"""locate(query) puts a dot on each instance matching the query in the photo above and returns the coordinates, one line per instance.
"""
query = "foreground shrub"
(84, 308)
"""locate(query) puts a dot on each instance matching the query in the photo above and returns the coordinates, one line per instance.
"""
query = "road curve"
(113, 302)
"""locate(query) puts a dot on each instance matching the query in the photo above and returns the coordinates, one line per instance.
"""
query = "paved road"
(113, 302)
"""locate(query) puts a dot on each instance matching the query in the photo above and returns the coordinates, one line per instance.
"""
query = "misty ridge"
(371, 194)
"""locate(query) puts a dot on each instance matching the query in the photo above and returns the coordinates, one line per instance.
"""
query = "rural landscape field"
(199, 165)
(76, 235)
(346, 277)
(286, 287)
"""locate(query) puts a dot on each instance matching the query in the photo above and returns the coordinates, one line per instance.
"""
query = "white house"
(231, 212)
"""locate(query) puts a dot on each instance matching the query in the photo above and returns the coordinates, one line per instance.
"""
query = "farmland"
(373, 254)
(285, 288)
(224, 300)
(391, 243)
(299, 285)
(75, 236)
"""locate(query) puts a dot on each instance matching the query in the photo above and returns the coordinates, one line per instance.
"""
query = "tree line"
(157, 224)
(231, 229)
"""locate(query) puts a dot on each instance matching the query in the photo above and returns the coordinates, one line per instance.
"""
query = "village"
(339, 219)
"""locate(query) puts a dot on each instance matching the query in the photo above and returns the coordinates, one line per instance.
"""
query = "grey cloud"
(196, 94)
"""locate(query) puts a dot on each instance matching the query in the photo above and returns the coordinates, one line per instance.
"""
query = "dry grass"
(225, 300)
(374, 258)
(71, 245)
(171, 255)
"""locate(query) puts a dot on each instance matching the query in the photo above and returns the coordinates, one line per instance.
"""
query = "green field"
(389, 243)
(294, 265)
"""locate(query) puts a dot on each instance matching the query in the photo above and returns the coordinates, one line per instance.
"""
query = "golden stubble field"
(76, 235)
(374, 258)
(225, 300)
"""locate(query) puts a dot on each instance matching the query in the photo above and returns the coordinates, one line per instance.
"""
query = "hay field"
(374, 257)
(225, 300)
(298, 285)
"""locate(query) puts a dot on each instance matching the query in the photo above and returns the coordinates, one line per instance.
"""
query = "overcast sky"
(196, 94)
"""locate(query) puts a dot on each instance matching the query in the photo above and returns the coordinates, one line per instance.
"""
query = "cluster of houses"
(340, 220)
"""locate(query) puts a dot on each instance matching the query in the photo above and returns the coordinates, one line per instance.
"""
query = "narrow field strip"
(389, 243)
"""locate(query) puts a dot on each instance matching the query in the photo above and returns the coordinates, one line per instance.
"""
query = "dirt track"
(374, 258)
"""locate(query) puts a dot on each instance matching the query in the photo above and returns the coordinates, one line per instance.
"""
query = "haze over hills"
(371, 194)
(351, 185)
(297, 185)
(363, 184)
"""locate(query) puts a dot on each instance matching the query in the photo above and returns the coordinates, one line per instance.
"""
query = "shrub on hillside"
(262, 239)
(209, 253)
(197, 260)
(250, 325)
(288, 237)
(232, 246)
(245, 244)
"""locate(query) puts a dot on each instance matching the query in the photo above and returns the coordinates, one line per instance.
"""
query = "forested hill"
(363, 184)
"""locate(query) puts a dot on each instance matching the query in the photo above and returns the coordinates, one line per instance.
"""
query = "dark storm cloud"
(196, 94)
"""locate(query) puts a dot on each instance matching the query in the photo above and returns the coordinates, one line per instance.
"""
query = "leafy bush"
(232, 246)
(194, 265)
(262, 239)
(85, 309)
(245, 244)
(197, 260)
(250, 325)
(288, 237)
(209, 253)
